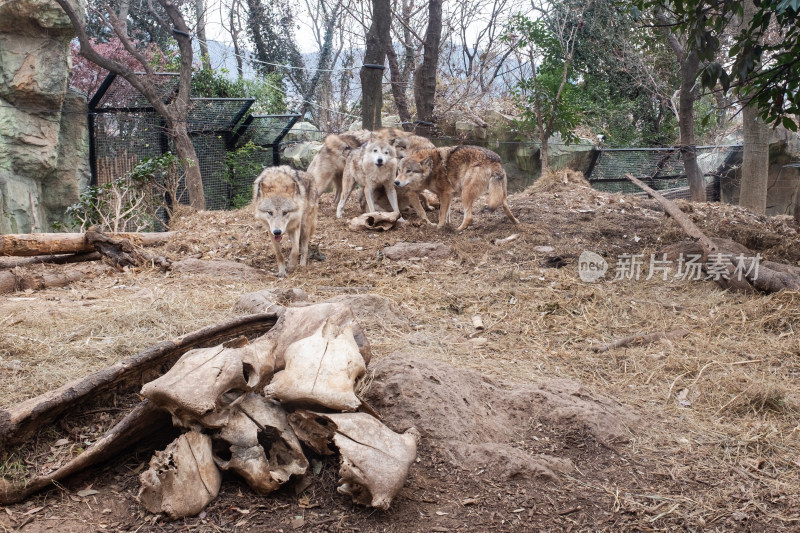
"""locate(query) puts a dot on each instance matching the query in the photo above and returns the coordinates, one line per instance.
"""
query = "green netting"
(662, 169)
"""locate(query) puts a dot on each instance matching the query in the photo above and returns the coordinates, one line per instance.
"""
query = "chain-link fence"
(663, 169)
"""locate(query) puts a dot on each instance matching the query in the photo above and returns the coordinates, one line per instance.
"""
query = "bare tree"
(200, 30)
(176, 109)
(425, 75)
(755, 149)
(373, 66)
(689, 66)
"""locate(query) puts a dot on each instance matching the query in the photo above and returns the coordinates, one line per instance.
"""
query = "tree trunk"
(179, 134)
(375, 54)
(200, 11)
(425, 75)
(697, 183)
(544, 153)
(398, 87)
(755, 161)
(755, 153)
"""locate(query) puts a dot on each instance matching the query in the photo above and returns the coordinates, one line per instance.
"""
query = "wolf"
(446, 171)
(328, 165)
(371, 166)
(286, 200)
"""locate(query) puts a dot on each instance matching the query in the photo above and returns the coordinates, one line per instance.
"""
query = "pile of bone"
(247, 407)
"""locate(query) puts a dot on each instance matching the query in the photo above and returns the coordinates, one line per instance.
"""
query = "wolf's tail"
(498, 188)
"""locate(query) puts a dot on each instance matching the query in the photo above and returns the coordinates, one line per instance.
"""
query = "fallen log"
(57, 259)
(19, 280)
(141, 423)
(725, 261)
(31, 244)
(121, 252)
(641, 338)
(18, 423)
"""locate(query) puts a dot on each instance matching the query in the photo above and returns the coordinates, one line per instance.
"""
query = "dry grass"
(719, 408)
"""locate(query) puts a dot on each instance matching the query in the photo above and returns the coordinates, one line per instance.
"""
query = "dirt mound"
(476, 422)
(555, 180)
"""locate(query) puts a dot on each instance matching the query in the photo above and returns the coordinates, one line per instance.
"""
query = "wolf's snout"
(276, 232)
(397, 182)
(379, 162)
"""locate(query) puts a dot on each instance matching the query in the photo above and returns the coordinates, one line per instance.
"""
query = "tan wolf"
(328, 165)
(445, 171)
(286, 201)
(371, 166)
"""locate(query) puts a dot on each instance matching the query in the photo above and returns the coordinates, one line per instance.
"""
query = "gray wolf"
(371, 166)
(469, 170)
(286, 201)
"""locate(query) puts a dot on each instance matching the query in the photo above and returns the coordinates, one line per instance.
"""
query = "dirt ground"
(524, 426)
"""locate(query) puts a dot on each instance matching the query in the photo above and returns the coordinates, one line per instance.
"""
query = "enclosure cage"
(124, 129)
(662, 169)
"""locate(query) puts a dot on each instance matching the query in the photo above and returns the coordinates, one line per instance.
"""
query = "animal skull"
(182, 479)
(260, 444)
(202, 387)
(321, 370)
(375, 459)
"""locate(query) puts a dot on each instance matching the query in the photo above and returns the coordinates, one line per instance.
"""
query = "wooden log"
(18, 423)
(121, 252)
(59, 259)
(141, 423)
(19, 280)
(679, 216)
(31, 244)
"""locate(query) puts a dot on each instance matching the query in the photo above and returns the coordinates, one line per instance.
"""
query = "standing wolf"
(445, 171)
(286, 201)
(371, 166)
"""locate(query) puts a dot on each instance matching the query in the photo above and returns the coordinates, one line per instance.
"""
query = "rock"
(387, 121)
(269, 300)
(216, 267)
(43, 133)
(303, 132)
(417, 250)
(300, 155)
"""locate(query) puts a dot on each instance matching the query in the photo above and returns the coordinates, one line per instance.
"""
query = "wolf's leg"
(337, 189)
(370, 198)
(276, 247)
(295, 253)
(348, 183)
(417, 205)
(391, 193)
(508, 212)
(468, 198)
(444, 207)
(307, 229)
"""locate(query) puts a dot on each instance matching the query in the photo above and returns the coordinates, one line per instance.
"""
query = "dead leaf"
(61, 442)
(87, 492)
(33, 511)
(298, 522)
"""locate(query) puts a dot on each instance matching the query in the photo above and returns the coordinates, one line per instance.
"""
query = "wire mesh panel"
(662, 169)
(116, 93)
(123, 139)
(216, 115)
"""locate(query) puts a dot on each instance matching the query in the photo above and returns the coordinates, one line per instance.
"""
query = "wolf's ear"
(427, 163)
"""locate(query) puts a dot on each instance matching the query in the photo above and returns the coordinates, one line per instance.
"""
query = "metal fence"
(231, 147)
(662, 169)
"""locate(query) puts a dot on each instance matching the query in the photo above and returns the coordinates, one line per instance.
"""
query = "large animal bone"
(260, 425)
(374, 459)
(321, 370)
(205, 383)
(182, 479)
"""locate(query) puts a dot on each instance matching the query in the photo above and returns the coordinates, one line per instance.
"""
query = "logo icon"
(591, 267)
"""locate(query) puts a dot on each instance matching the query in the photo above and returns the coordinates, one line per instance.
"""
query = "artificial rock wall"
(43, 132)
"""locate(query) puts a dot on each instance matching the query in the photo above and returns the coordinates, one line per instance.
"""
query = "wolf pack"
(397, 172)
